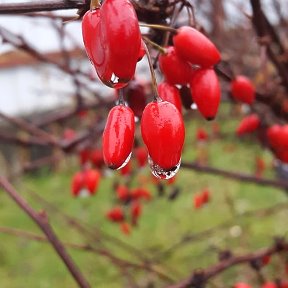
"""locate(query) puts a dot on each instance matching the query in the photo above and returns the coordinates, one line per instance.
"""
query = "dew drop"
(115, 82)
(194, 106)
(84, 193)
(125, 162)
(161, 173)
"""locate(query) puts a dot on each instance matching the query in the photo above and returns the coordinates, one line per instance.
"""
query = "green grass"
(28, 263)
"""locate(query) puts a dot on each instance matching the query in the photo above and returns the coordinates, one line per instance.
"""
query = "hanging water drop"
(125, 162)
(161, 173)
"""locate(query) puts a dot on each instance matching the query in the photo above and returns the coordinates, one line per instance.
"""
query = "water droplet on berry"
(125, 162)
(84, 193)
(161, 173)
(116, 82)
(194, 106)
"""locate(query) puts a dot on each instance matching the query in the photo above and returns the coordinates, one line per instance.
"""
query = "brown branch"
(37, 6)
(192, 237)
(199, 278)
(280, 184)
(41, 220)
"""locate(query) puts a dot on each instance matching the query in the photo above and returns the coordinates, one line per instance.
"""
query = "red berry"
(274, 136)
(118, 136)
(116, 214)
(175, 70)
(243, 90)
(112, 40)
(163, 133)
(206, 92)
(84, 156)
(170, 93)
(142, 51)
(77, 183)
(122, 37)
(205, 196)
(123, 193)
(248, 124)
(125, 228)
(201, 135)
(91, 178)
(195, 48)
(96, 157)
(198, 201)
(269, 285)
(136, 97)
(136, 210)
(141, 155)
(241, 285)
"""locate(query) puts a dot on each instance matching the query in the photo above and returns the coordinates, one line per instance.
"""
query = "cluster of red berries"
(131, 200)
(202, 198)
(190, 61)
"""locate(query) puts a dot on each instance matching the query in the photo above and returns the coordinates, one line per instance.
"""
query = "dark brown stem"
(37, 6)
(41, 220)
(236, 176)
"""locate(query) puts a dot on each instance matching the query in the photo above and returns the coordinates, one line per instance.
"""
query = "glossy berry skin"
(122, 37)
(248, 124)
(136, 97)
(195, 48)
(170, 93)
(274, 136)
(95, 45)
(206, 92)
(118, 136)
(243, 90)
(104, 30)
(163, 133)
(174, 69)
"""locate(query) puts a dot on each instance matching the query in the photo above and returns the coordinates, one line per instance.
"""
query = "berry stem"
(158, 47)
(94, 4)
(157, 98)
(160, 27)
(121, 97)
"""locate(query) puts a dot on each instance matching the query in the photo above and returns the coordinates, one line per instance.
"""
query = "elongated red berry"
(163, 133)
(136, 97)
(122, 37)
(118, 136)
(248, 124)
(116, 214)
(170, 93)
(243, 90)
(77, 183)
(123, 193)
(174, 69)
(92, 178)
(274, 136)
(136, 210)
(206, 92)
(195, 48)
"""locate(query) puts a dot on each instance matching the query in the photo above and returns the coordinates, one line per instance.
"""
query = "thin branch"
(41, 220)
(280, 184)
